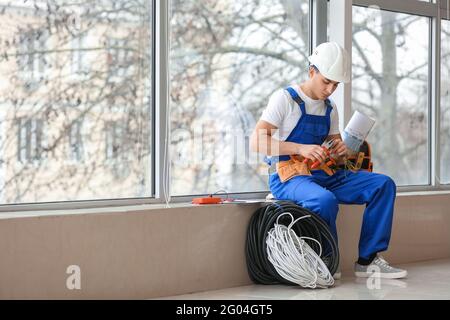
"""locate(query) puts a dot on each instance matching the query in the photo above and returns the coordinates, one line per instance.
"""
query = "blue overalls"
(322, 193)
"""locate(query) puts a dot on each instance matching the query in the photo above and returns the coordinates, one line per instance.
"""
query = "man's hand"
(339, 148)
(312, 152)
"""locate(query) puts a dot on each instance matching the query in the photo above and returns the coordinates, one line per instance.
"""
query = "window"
(445, 103)
(76, 141)
(115, 139)
(117, 155)
(119, 58)
(46, 45)
(2, 172)
(79, 57)
(391, 84)
(226, 59)
(76, 87)
(29, 139)
(33, 61)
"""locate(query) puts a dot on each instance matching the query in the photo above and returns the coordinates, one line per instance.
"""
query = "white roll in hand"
(357, 130)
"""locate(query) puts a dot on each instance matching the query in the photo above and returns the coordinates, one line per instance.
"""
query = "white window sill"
(147, 207)
(117, 209)
(422, 193)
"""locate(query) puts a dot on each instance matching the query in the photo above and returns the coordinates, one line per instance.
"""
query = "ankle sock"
(366, 262)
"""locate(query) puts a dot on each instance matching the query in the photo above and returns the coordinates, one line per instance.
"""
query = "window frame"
(160, 124)
(30, 141)
(444, 16)
(104, 203)
(31, 57)
(433, 11)
(160, 129)
(76, 152)
(315, 34)
(78, 46)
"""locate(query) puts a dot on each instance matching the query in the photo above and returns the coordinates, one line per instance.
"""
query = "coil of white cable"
(293, 258)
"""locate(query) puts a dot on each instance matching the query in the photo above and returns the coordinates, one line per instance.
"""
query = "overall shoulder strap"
(329, 107)
(329, 110)
(296, 98)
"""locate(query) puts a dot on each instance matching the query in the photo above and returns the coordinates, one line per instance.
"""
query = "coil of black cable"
(259, 267)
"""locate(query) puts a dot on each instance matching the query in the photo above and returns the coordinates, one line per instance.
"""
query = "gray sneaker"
(337, 275)
(381, 268)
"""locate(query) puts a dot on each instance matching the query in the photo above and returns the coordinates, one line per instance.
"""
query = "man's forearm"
(273, 147)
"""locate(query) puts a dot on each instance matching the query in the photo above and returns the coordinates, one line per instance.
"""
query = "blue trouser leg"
(378, 192)
(306, 192)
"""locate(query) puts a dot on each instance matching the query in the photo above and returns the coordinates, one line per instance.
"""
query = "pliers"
(326, 146)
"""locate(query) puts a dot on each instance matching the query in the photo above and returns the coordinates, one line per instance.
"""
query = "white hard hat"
(332, 61)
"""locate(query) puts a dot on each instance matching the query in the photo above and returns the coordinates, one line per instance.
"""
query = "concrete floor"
(426, 280)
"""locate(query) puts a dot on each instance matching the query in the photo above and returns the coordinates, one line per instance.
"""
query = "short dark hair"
(314, 67)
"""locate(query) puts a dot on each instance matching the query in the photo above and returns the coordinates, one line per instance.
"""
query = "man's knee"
(328, 203)
(387, 182)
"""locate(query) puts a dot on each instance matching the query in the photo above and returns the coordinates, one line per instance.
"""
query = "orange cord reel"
(207, 200)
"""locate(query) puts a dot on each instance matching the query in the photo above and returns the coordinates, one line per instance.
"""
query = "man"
(297, 121)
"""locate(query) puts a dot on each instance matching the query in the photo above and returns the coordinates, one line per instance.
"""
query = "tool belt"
(361, 160)
(295, 167)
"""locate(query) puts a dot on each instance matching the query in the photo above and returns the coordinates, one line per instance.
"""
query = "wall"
(148, 252)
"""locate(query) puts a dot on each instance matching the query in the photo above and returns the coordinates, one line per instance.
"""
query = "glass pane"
(390, 84)
(445, 103)
(226, 59)
(70, 71)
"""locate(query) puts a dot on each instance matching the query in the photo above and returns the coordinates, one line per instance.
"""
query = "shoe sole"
(397, 275)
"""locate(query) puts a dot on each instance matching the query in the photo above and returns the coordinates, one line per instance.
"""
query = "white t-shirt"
(283, 112)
